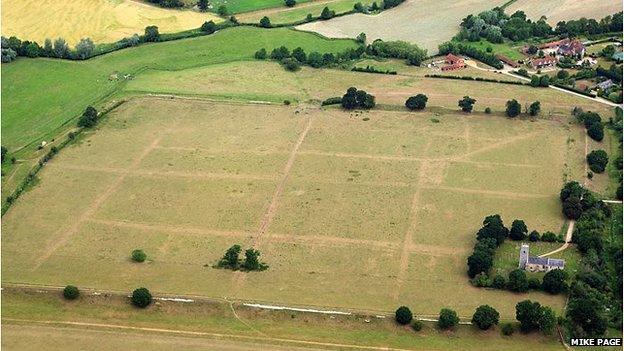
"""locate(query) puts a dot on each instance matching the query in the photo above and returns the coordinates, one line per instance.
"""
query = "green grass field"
(361, 206)
(299, 12)
(513, 52)
(238, 6)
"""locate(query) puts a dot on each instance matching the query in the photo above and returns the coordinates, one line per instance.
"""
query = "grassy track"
(45, 94)
(280, 330)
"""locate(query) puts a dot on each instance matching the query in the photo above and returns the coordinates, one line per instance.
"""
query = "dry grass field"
(267, 81)
(564, 10)
(292, 14)
(101, 20)
(349, 213)
(411, 21)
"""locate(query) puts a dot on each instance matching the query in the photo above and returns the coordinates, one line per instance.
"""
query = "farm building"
(544, 62)
(453, 62)
(508, 61)
(538, 264)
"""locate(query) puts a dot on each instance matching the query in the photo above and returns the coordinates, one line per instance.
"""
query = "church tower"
(524, 256)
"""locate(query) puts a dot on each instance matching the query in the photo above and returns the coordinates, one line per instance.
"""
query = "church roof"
(545, 261)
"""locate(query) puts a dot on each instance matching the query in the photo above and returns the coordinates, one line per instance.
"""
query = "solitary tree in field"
(403, 315)
(467, 103)
(265, 22)
(290, 3)
(513, 108)
(138, 255)
(447, 319)
(417, 102)
(485, 317)
(71, 292)
(141, 297)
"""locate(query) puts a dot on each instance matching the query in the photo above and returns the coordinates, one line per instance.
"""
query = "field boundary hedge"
(55, 149)
(476, 79)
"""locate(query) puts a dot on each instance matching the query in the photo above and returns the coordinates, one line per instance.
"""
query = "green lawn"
(44, 95)
(508, 49)
(238, 6)
(506, 258)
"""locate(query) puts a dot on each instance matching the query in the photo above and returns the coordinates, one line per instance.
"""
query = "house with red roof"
(548, 61)
(453, 62)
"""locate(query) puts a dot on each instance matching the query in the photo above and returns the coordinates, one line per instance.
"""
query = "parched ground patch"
(101, 20)
(565, 10)
(411, 21)
(348, 213)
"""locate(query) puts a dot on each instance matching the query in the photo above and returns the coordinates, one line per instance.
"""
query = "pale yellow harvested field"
(100, 20)
(563, 10)
(424, 22)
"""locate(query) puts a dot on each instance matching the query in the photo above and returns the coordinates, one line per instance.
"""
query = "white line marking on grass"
(285, 308)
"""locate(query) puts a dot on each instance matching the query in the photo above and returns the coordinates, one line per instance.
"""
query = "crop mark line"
(152, 173)
(266, 220)
(92, 209)
(494, 146)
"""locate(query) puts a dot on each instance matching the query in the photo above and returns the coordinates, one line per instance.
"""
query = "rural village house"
(453, 62)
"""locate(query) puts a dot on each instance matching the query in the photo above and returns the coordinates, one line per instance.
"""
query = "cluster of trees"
(495, 25)
(397, 49)
(355, 98)
(533, 316)
(484, 318)
(513, 108)
(141, 297)
(89, 118)
(489, 237)
(584, 26)
(540, 81)
(169, 3)
(13, 47)
(455, 48)
(592, 122)
(554, 282)
(231, 260)
(313, 59)
(595, 298)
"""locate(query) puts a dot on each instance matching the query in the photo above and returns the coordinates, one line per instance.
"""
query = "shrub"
(534, 236)
(265, 22)
(485, 317)
(417, 325)
(287, 102)
(280, 53)
(507, 329)
(88, 118)
(222, 11)
(151, 34)
(488, 110)
(332, 101)
(231, 258)
(513, 108)
(597, 160)
(71, 292)
(554, 282)
(290, 64)
(481, 280)
(499, 282)
(535, 108)
(447, 319)
(299, 55)
(417, 102)
(252, 261)
(290, 3)
(208, 27)
(327, 13)
(534, 284)
(138, 255)
(403, 315)
(261, 54)
(141, 297)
